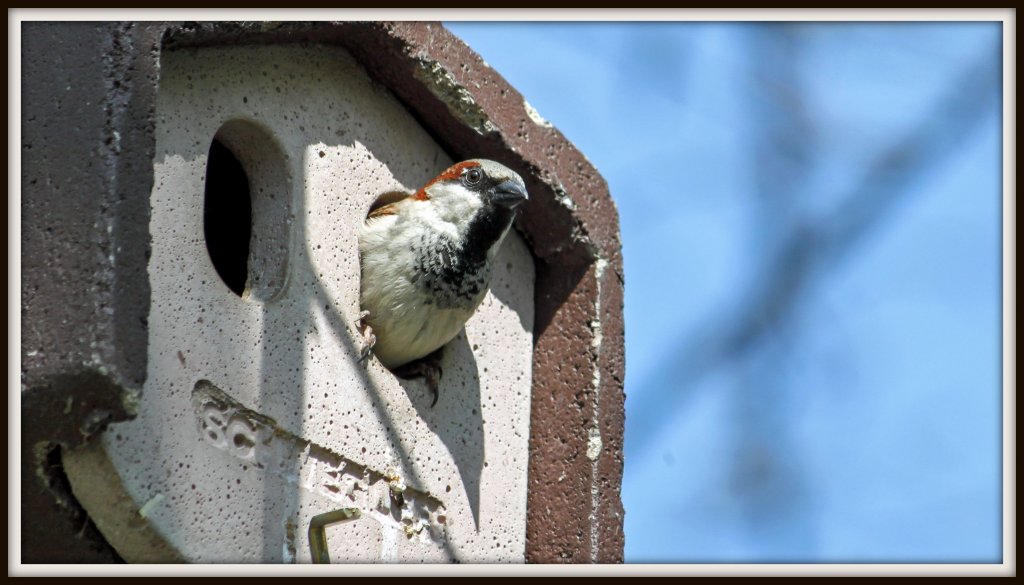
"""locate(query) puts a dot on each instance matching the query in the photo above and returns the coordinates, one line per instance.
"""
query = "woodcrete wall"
(169, 413)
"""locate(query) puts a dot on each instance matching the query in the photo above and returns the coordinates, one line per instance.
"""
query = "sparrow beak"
(509, 194)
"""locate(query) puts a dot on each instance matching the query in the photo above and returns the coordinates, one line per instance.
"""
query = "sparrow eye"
(473, 176)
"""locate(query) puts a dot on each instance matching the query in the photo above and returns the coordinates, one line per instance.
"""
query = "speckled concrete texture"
(574, 506)
(86, 173)
(255, 416)
(90, 100)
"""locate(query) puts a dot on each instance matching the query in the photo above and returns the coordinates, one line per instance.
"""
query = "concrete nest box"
(207, 404)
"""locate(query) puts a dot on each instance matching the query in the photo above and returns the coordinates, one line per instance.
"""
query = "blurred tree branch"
(816, 245)
(767, 483)
(813, 246)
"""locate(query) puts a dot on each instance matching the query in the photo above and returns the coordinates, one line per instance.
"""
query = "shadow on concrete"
(340, 327)
(457, 418)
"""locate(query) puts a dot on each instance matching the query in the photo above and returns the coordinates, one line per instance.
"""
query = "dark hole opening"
(80, 527)
(227, 216)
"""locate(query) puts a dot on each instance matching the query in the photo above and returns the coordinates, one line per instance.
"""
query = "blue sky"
(863, 425)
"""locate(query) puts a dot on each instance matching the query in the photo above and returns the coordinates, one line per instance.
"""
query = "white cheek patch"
(454, 205)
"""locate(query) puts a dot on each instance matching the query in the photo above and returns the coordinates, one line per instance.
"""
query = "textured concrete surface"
(92, 92)
(86, 173)
(289, 425)
(575, 510)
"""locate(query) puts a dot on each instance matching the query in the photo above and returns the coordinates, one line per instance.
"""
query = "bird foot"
(427, 367)
(369, 339)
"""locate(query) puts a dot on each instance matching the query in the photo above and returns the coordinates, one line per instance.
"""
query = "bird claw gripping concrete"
(369, 339)
(428, 368)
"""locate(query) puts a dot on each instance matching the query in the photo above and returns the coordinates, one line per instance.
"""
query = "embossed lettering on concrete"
(227, 425)
(302, 428)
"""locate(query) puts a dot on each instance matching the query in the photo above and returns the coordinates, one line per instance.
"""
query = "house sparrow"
(426, 263)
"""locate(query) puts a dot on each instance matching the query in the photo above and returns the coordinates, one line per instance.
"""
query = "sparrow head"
(495, 182)
(470, 187)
